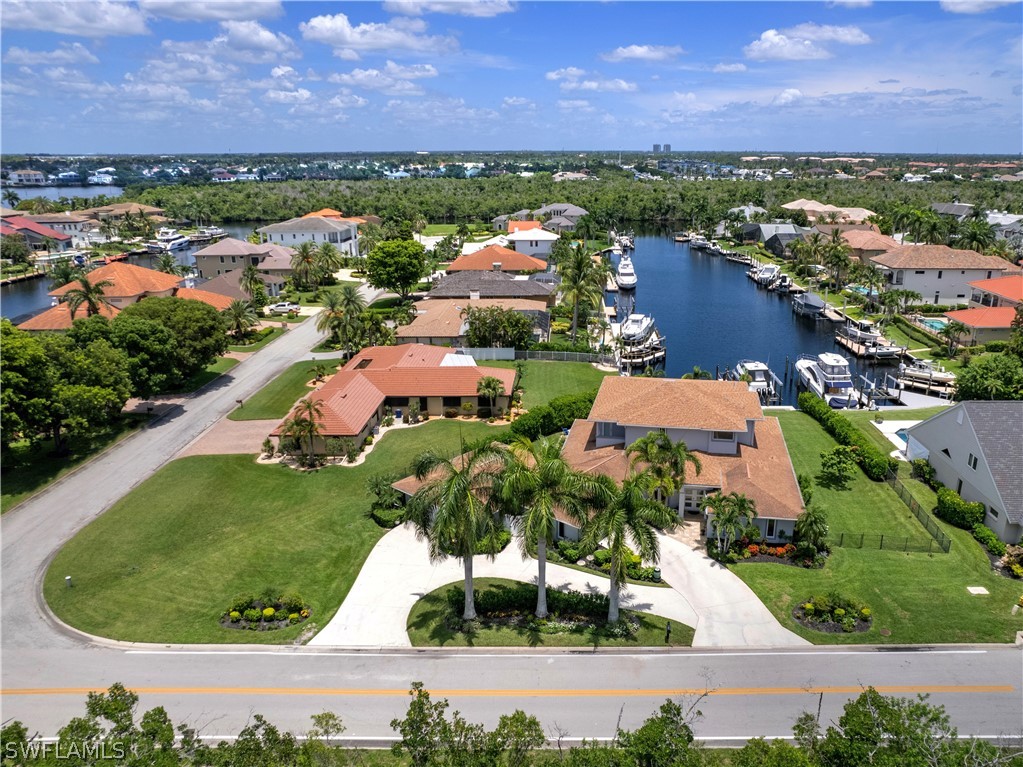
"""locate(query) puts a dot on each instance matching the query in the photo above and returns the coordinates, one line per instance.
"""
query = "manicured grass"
(275, 333)
(862, 421)
(917, 598)
(165, 561)
(427, 627)
(276, 398)
(27, 470)
(306, 297)
(542, 381)
(211, 372)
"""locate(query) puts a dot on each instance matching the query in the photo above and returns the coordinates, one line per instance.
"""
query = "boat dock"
(863, 350)
(832, 314)
(930, 388)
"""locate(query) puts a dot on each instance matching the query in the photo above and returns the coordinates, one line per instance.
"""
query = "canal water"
(712, 315)
(56, 192)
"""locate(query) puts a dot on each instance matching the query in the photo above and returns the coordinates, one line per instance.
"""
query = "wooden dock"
(862, 350)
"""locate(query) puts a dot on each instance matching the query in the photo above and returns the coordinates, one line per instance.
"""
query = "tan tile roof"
(861, 239)
(937, 257)
(216, 300)
(675, 403)
(484, 260)
(1010, 287)
(128, 281)
(985, 317)
(519, 226)
(59, 317)
(410, 484)
(325, 213)
(442, 317)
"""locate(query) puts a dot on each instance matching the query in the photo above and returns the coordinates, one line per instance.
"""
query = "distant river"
(56, 192)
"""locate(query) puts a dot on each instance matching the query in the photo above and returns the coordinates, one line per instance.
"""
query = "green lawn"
(306, 296)
(164, 562)
(917, 598)
(543, 380)
(211, 372)
(427, 627)
(276, 398)
(275, 333)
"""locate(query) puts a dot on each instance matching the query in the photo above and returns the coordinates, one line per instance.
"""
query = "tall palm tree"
(64, 272)
(330, 319)
(582, 282)
(952, 332)
(167, 264)
(663, 461)
(698, 374)
(490, 387)
(311, 411)
(90, 294)
(622, 515)
(250, 281)
(733, 513)
(353, 303)
(870, 277)
(812, 527)
(836, 256)
(976, 234)
(240, 317)
(303, 263)
(328, 260)
(456, 510)
(11, 198)
(537, 483)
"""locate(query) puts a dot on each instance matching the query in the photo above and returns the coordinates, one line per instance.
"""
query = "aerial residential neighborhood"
(425, 384)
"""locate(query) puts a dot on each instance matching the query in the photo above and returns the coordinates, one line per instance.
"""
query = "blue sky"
(261, 75)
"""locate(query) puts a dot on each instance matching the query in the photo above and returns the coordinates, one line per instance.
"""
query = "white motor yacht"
(637, 328)
(758, 375)
(171, 239)
(626, 277)
(866, 333)
(827, 375)
(927, 372)
(767, 274)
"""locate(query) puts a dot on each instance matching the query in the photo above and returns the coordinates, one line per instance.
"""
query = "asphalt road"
(46, 671)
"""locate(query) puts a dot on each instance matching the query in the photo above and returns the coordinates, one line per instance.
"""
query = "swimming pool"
(936, 324)
(860, 289)
(901, 434)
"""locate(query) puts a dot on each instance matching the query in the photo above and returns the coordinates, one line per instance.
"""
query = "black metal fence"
(887, 542)
(922, 514)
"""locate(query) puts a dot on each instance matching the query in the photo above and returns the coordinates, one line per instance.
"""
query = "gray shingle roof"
(952, 208)
(489, 284)
(310, 224)
(999, 429)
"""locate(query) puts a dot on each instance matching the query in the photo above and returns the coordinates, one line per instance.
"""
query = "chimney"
(474, 295)
(497, 266)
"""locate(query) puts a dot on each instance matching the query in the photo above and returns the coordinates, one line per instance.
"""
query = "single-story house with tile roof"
(314, 229)
(987, 323)
(740, 449)
(498, 259)
(120, 210)
(229, 285)
(864, 244)
(976, 448)
(441, 321)
(940, 274)
(534, 242)
(560, 224)
(475, 285)
(1000, 291)
(561, 210)
(437, 379)
(35, 234)
(232, 254)
(216, 300)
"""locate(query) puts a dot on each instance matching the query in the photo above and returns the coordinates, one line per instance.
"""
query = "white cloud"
(411, 72)
(475, 8)
(66, 53)
(616, 85)
(575, 105)
(516, 101)
(643, 53)
(347, 100)
(974, 6)
(848, 35)
(851, 3)
(568, 73)
(212, 10)
(444, 111)
(394, 80)
(243, 38)
(193, 64)
(99, 18)
(799, 43)
(397, 35)
(285, 71)
(723, 68)
(298, 96)
(787, 96)
(66, 77)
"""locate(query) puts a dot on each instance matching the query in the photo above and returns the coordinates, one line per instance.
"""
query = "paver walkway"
(398, 573)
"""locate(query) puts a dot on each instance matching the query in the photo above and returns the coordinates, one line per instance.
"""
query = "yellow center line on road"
(608, 693)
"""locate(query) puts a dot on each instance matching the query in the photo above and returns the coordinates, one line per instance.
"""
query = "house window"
(959, 487)
(939, 274)
(989, 274)
(452, 402)
(292, 236)
(972, 461)
(898, 277)
(993, 512)
(770, 528)
(921, 271)
(945, 451)
(221, 260)
(722, 436)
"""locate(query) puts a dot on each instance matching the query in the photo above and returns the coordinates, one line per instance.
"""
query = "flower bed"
(600, 561)
(833, 614)
(745, 551)
(265, 612)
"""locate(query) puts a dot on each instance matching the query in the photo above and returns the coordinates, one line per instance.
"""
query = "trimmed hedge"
(387, 518)
(917, 333)
(556, 415)
(522, 598)
(874, 463)
(987, 538)
(956, 511)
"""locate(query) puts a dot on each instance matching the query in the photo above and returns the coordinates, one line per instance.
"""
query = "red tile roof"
(59, 317)
(128, 281)
(215, 300)
(864, 239)
(325, 213)
(20, 222)
(1010, 287)
(985, 317)
(520, 226)
(484, 260)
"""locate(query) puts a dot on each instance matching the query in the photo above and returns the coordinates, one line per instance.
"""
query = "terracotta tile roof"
(403, 355)
(937, 257)
(128, 280)
(862, 239)
(325, 213)
(518, 226)
(1010, 287)
(484, 260)
(216, 300)
(20, 222)
(436, 382)
(442, 317)
(410, 484)
(59, 317)
(985, 317)
(763, 473)
(676, 403)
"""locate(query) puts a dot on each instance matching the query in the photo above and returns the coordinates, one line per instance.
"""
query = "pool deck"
(888, 429)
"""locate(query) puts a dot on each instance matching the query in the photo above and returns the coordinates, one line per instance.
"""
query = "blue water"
(937, 325)
(901, 434)
(712, 315)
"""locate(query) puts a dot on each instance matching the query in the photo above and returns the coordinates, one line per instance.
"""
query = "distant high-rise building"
(657, 148)
(667, 148)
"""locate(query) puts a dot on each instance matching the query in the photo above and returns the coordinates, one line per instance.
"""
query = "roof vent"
(496, 266)
(474, 295)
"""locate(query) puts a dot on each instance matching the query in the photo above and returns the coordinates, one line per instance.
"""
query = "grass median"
(164, 563)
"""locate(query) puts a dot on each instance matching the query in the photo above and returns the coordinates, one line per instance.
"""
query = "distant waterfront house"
(780, 243)
(956, 210)
(491, 284)
(118, 211)
(27, 177)
(940, 274)
(441, 321)
(232, 254)
(763, 232)
(865, 244)
(748, 211)
(500, 223)
(66, 223)
(315, 229)
(533, 242)
(229, 284)
(436, 379)
(740, 450)
(820, 211)
(564, 210)
(498, 259)
(976, 448)
(37, 236)
(1000, 291)
(557, 217)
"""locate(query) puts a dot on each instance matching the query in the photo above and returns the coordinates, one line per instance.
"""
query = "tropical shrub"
(387, 518)
(253, 615)
(450, 413)
(987, 538)
(235, 616)
(833, 612)
(954, 510)
(268, 613)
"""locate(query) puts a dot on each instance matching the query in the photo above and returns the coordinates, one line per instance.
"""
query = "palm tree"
(732, 514)
(89, 293)
(537, 483)
(836, 256)
(664, 462)
(812, 527)
(871, 277)
(330, 318)
(490, 387)
(250, 281)
(455, 510)
(353, 303)
(976, 234)
(328, 260)
(698, 374)
(624, 514)
(320, 370)
(240, 317)
(303, 263)
(167, 264)
(582, 282)
(64, 272)
(952, 332)
(11, 198)
(311, 412)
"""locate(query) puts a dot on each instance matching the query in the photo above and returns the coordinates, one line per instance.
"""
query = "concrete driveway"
(722, 609)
